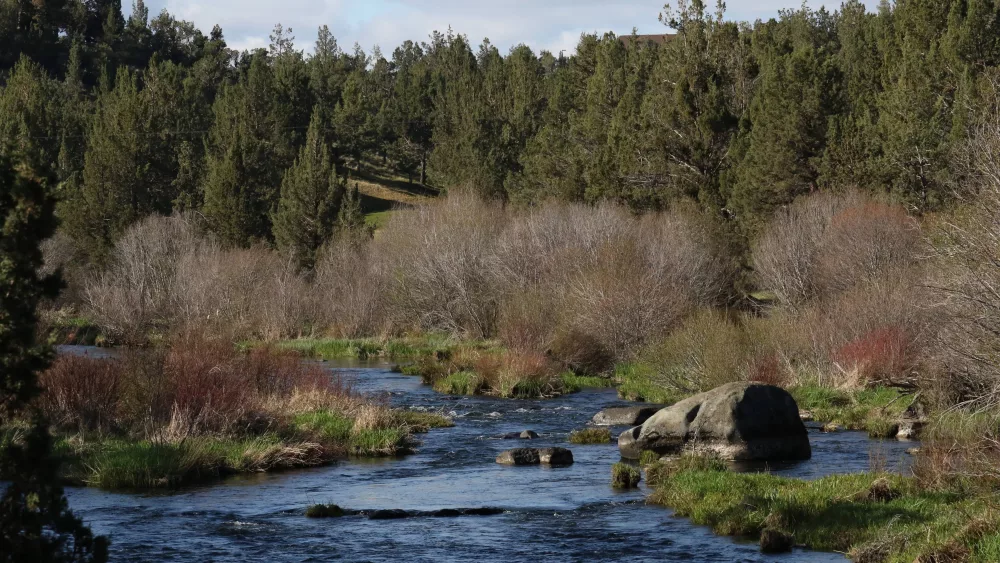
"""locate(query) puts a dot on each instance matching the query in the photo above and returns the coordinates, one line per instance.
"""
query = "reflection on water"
(567, 514)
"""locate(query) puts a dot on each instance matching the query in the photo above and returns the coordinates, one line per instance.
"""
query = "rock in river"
(526, 435)
(535, 456)
(624, 416)
(738, 421)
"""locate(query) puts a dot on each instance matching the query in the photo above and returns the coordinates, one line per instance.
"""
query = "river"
(559, 514)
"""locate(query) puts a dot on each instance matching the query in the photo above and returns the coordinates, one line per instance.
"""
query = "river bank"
(563, 513)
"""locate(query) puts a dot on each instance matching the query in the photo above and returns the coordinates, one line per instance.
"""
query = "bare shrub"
(440, 258)
(969, 259)
(351, 289)
(197, 387)
(132, 296)
(827, 243)
(83, 392)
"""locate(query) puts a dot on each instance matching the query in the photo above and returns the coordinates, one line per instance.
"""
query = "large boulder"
(738, 421)
(535, 456)
(624, 416)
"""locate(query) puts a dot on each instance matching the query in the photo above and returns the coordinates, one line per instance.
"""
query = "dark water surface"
(559, 514)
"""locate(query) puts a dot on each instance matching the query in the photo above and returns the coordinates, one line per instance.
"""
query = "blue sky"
(543, 24)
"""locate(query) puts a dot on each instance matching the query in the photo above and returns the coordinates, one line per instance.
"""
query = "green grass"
(338, 430)
(120, 464)
(459, 383)
(423, 421)
(324, 511)
(408, 348)
(873, 410)
(625, 476)
(378, 220)
(636, 382)
(572, 383)
(590, 436)
(836, 513)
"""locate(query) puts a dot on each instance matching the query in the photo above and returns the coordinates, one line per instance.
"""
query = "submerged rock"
(555, 456)
(831, 427)
(393, 514)
(738, 421)
(519, 456)
(526, 435)
(624, 416)
(776, 541)
(535, 456)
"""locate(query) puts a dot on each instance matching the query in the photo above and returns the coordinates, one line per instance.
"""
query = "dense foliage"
(35, 523)
(151, 115)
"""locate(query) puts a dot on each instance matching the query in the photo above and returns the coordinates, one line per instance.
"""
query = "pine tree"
(35, 521)
(124, 176)
(311, 196)
(248, 151)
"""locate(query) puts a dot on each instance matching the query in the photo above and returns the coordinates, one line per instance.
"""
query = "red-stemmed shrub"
(83, 392)
(880, 356)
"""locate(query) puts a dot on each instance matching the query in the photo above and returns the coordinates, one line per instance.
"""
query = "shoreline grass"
(625, 476)
(588, 436)
(872, 517)
(404, 348)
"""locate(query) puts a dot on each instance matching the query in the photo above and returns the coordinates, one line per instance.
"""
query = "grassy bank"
(199, 410)
(308, 439)
(869, 516)
(396, 349)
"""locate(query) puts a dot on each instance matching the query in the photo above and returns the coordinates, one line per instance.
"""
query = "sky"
(553, 25)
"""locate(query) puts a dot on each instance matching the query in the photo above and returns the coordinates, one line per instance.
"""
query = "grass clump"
(625, 476)
(636, 382)
(405, 348)
(459, 383)
(875, 410)
(324, 511)
(418, 421)
(590, 436)
(847, 513)
(573, 383)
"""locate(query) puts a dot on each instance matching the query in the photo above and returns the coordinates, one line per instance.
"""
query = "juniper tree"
(35, 521)
(311, 196)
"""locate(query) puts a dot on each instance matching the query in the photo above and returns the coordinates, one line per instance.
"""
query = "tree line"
(141, 116)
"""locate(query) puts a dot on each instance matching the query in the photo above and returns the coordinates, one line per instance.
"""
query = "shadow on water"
(568, 513)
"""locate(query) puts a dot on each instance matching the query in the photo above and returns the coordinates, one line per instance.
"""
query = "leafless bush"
(351, 289)
(827, 243)
(132, 296)
(969, 279)
(440, 257)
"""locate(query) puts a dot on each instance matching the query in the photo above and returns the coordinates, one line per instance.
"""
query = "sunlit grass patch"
(591, 436)
(625, 476)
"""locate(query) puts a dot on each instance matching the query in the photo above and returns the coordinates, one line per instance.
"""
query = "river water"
(559, 514)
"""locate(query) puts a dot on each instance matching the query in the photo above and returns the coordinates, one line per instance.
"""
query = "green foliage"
(875, 410)
(590, 436)
(573, 383)
(311, 197)
(35, 522)
(459, 383)
(836, 513)
(625, 476)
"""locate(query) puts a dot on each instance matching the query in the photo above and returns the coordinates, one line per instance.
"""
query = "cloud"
(553, 25)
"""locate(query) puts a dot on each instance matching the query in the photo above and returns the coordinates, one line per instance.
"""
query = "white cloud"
(543, 24)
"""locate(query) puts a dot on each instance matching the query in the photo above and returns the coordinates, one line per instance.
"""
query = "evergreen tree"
(311, 196)
(248, 151)
(124, 177)
(35, 521)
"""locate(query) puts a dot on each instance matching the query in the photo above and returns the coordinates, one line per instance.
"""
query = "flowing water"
(562, 514)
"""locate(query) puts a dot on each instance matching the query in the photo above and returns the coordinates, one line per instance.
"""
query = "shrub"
(825, 244)
(83, 392)
(590, 436)
(625, 476)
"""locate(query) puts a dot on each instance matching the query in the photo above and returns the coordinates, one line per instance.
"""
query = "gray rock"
(535, 456)
(738, 421)
(909, 430)
(625, 416)
(519, 456)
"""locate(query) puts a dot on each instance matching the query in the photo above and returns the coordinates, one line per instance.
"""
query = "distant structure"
(659, 39)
